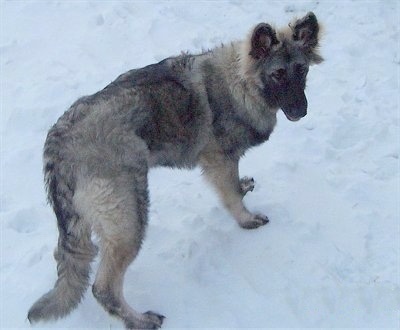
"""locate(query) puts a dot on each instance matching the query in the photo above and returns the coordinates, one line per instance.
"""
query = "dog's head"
(281, 59)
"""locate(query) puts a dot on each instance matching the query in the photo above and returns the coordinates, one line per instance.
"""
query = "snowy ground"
(329, 183)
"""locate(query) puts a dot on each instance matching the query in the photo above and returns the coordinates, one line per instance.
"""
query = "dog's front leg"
(223, 174)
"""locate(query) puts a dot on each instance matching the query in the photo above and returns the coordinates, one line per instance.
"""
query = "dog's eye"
(279, 74)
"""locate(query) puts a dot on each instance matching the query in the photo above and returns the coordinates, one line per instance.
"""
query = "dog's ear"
(305, 31)
(262, 40)
(306, 34)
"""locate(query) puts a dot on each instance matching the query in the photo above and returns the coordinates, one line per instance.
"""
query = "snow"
(329, 183)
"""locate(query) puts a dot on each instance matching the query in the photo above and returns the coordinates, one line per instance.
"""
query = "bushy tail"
(73, 270)
(75, 250)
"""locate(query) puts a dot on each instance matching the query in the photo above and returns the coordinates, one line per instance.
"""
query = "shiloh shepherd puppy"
(189, 110)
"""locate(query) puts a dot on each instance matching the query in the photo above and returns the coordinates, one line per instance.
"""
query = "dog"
(190, 110)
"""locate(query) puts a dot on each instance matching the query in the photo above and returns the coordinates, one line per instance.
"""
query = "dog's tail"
(75, 250)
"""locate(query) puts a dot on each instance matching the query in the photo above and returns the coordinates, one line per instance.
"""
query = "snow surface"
(329, 183)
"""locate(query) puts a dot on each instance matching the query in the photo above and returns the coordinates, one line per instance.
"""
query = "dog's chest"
(236, 135)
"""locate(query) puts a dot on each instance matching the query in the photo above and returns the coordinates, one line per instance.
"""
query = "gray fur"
(185, 111)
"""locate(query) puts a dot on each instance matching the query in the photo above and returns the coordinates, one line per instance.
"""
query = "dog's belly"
(176, 144)
(174, 156)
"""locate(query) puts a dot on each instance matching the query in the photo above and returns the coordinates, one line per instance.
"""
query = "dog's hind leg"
(117, 207)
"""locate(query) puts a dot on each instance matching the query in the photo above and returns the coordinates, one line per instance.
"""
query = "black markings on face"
(284, 77)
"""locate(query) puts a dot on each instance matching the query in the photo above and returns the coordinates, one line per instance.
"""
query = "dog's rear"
(96, 177)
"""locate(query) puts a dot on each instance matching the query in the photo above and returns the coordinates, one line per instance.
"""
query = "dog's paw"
(148, 320)
(246, 184)
(156, 319)
(256, 221)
